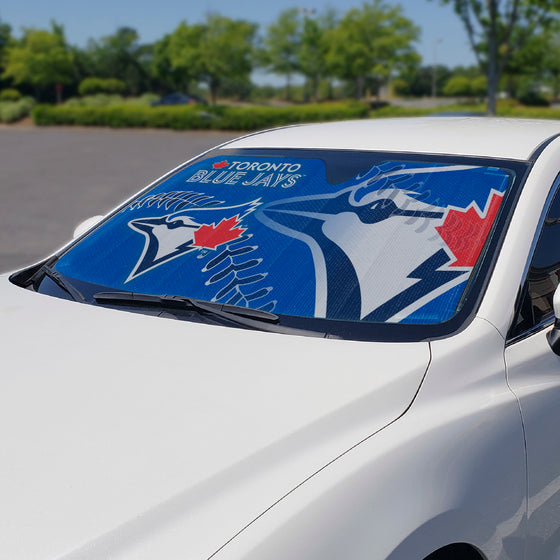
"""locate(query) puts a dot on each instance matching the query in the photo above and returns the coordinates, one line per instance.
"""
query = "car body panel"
(137, 426)
(452, 469)
(499, 138)
(534, 375)
(135, 437)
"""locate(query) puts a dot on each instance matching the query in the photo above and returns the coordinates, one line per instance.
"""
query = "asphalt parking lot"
(53, 178)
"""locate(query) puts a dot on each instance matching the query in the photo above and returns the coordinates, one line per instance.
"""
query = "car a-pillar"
(554, 335)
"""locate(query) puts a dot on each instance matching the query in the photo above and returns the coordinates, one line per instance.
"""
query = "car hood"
(129, 436)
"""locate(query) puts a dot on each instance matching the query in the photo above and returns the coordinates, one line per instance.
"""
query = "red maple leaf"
(465, 232)
(209, 236)
(220, 164)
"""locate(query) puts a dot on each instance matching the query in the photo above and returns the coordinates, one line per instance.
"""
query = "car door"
(533, 371)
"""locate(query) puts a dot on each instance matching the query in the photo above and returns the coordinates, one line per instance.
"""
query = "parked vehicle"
(321, 342)
(178, 99)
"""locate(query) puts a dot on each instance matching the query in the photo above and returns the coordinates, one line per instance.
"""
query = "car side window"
(543, 276)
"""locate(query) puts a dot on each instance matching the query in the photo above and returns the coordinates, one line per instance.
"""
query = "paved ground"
(53, 178)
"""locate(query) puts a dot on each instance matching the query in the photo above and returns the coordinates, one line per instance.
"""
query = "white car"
(322, 342)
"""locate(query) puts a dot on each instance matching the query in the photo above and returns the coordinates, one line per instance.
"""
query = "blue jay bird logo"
(174, 235)
(376, 252)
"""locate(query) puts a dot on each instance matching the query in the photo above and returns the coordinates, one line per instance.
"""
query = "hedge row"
(530, 112)
(505, 108)
(196, 117)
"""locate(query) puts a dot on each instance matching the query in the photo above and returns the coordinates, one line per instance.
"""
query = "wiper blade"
(241, 315)
(246, 317)
(61, 281)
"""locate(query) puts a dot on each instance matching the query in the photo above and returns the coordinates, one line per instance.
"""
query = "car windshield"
(332, 235)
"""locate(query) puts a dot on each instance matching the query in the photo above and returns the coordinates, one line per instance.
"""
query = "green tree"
(313, 48)
(462, 86)
(5, 41)
(370, 43)
(538, 63)
(41, 58)
(497, 30)
(220, 49)
(281, 46)
(226, 51)
(178, 55)
(550, 61)
(479, 86)
(167, 76)
(417, 81)
(123, 57)
(457, 86)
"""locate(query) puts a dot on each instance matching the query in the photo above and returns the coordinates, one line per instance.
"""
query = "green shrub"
(119, 116)
(92, 86)
(10, 94)
(533, 99)
(530, 112)
(400, 87)
(97, 100)
(457, 86)
(106, 100)
(479, 86)
(192, 117)
(253, 118)
(396, 111)
(12, 111)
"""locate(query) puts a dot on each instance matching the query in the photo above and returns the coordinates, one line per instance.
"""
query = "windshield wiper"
(184, 302)
(246, 317)
(62, 282)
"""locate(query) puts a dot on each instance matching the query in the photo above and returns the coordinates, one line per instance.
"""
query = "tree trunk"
(288, 93)
(315, 89)
(330, 89)
(492, 60)
(360, 82)
(214, 83)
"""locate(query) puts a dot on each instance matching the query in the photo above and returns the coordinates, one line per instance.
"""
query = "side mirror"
(554, 335)
(87, 224)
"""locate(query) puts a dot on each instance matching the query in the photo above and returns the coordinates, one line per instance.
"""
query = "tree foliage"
(550, 61)
(93, 86)
(313, 49)
(218, 49)
(417, 81)
(371, 42)
(498, 30)
(226, 51)
(41, 58)
(120, 56)
(281, 46)
(5, 41)
(461, 86)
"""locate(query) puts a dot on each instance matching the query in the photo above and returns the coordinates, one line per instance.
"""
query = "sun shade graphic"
(395, 249)
(171, 236)
(396, 243)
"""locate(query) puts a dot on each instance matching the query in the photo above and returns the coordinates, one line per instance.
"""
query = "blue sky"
(442, 32)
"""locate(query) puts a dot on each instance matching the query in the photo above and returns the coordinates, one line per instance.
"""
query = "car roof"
(470, 136)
